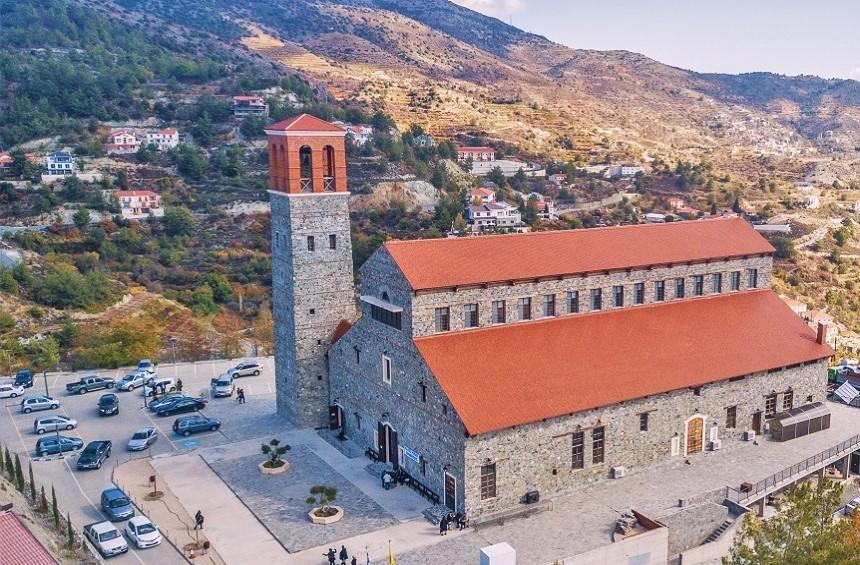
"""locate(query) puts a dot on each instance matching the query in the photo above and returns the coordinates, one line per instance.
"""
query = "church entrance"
(756, 423)
(450, 492)
(335, 417)
(695, 429)
(387, 438)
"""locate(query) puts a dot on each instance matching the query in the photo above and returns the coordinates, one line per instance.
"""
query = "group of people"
(333, 556)
(459, 520)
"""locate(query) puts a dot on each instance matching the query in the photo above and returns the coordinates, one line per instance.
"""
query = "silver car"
(246, 369)
(223, 385)
(132, 381)
(33, 402)
(54, 423)
(142, 439)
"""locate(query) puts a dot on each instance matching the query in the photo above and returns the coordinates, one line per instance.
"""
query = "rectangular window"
(597, 445)
(618, 296)
(443, 319)
(423, 392)
(549, 305)
(470, 315)
(423, 466)
(679, 287)
(698, 285)
(788, 400)
(488, 481)
(643, 422)
(498, 311)
(578, 450)
(639, 293)
(357, 421)
(357, 355)
(717, 281)
(769, 405)
(310, 243)
(332, 241)
(596, 299)
(386, 370)
(736, 280)
(572, 302)
(659, 291)
(387, 317)
(524, 306)
(752, 278)
(731, 417)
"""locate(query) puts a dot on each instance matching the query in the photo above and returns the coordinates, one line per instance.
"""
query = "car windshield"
(107, 536)
(140, 435)
(91, 449)
(119, 502)
(106, 400)
(129, 377)
(145, 529)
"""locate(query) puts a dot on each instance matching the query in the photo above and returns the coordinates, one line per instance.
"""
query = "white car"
(107, 539)
(146, 365)
(10, 391)
(246, 369)
(54, 424)
(162, 384)
(142, 532)
(132, 381)
(852, 505)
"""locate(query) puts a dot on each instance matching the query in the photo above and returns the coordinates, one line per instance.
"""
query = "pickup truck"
(94, 454)
(106, 538)
(87, 384)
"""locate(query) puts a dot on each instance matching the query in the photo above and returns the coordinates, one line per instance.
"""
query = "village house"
(484, 195)
(163, 139)
(359, 134)
(121, 142)
(249, 106)
(673, 202)
(6, 162)
(424, 140)
(493, 215)
(623, 170)
(811, 201)
(820, 318)
(60, 163)
(687, 213)
(796, 306)
(139, 204)
(558, 179)
(476, 154)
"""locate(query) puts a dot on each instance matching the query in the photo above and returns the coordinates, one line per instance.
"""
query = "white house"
(163, 139)
(655, 218)
(359, 134)
(493, 215)
(138, 204)
(811, 201)
(121, 142)
(249, 106)
(486, 195)
(476, 153)
(60, 163)
(623, 170)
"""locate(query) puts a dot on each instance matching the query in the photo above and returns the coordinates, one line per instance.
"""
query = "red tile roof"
(128, 193)
(305, 122)
(475, 150)
(443, 263)
(514, 374)
(19, 546)
(342, 327)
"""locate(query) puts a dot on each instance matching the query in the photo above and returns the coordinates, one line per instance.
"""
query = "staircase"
(719, 531)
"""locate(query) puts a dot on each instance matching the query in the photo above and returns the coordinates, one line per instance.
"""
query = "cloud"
(854, 73)
(494, 7)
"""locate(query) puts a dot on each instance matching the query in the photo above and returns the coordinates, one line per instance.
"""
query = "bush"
(322, 496)
(65, 287)
(178, 220)
(274, 450)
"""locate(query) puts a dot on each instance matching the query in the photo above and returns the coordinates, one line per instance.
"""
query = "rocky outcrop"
(418, 195)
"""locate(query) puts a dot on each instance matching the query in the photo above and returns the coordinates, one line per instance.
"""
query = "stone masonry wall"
(691, 526)
(312, 292)
(538, 455)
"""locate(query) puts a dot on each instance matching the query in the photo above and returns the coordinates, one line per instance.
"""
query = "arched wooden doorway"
(695, 434)
(386, 439)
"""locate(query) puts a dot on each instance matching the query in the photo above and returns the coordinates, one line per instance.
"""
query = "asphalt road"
(79, 492)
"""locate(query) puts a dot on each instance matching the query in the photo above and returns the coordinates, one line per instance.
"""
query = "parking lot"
(78, 492)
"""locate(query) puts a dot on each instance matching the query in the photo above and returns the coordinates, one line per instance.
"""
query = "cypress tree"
(32, 484)
(70, 532)
(43, 501)
(54, 509)
(8, 466)
(19, 474)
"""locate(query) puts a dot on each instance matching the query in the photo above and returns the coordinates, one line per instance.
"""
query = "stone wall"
(312, 292)
(691, 526)
(538, 455)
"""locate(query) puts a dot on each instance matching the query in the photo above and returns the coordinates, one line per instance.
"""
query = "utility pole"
(173, 345)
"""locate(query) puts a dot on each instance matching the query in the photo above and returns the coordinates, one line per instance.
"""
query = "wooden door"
(695, 428)
(450, 492)
(756, 423)
(380, 441)
(392, 448)
(335, 419)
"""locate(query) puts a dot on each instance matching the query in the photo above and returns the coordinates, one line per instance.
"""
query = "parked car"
(132, 381)
(142, 439)
(94, 454)
(147, 366)
(54, 423)
(852, 505)
(246, 369)
(142, 532)
(187, 425)
(106, 538)
(52, 445)
(34, 402)
(165, 400)
(11, 391)
(181, 405)
(222, 385)
(164, 384)
(88, 384)
(116, 505)
(108, 405)
(24, 378)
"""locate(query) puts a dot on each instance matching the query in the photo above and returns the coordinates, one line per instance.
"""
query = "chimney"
(822, 333)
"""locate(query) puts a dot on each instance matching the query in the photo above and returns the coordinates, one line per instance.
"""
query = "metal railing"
(328, 184)
(305, 185)
(777, 480)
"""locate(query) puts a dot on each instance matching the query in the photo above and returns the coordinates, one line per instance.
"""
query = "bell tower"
(312, 277)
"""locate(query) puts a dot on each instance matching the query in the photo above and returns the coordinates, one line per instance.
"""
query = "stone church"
(491, 367)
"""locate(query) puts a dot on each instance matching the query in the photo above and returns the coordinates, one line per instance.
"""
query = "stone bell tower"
(312, 278)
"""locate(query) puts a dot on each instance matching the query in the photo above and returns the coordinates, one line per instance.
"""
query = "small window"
(659, 291)
(639, 293)
(752, 278)
(770, 405)
(598, 439)
(423, 466)
(499, 311)
(470, 315)
(310, 243)
(736, 280)
(675, 446)
(386, 370)
(488, 481)
(524, 305)
(643, 422)
(443, 319)
(357, 421)
(332, 241)
(788, 400)
(731, 417)
(717, 281)
(679, 287)
(578, 450)
(596, 299)
(423, 392)
(698, 285)
(573, 302)
(357, 355)
(549, 305)
(618, 296)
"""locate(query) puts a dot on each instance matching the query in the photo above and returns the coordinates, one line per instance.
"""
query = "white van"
(162, 384)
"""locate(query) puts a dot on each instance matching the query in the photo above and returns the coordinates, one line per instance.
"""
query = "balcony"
(306, 185)
(328, 184)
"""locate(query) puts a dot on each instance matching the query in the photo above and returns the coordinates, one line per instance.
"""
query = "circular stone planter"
(338, 514)
(273, 470)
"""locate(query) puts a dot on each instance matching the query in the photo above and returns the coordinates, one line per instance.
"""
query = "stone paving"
(278, 501)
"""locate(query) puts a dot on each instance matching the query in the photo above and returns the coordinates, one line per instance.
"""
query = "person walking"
(240, 395)
(343, 555)
(331, 556)
(198, 520)
(354, 561)
(178, 385)
(443, 525)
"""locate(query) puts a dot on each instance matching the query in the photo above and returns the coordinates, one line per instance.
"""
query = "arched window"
(328, 168)
(305, 169)
(385, 296)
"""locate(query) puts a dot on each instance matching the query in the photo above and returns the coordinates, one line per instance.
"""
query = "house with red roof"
(163, 139)
(476, 154)
(18, 545)
(249, 106)
(139, 204)
(121, 142)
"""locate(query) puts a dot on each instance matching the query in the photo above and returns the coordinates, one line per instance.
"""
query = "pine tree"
(43, 501)
(19, 474)
(70, 532)
(32, 484)
(54, 509)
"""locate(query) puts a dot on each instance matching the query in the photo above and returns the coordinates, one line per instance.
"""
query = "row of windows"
(598, 447)
(547, 306)
(332, 242)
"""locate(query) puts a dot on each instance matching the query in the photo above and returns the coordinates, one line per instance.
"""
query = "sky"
(729, 36)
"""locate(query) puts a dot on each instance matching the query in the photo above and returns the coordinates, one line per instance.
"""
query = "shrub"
(274, 450)
(322, 496)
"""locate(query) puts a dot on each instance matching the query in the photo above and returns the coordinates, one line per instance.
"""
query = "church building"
(490, 368)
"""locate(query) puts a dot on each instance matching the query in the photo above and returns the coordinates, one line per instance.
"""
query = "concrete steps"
(715, 535)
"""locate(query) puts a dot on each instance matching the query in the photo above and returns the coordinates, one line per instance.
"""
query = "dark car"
(181, 405)
(116, 505)
(109, 405)
(94, 454)
(165, 401)
(24, 378)
(51, 445)
(187, 425)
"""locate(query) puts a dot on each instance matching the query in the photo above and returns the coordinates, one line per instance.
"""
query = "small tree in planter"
(274, 450)
(324, 513)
